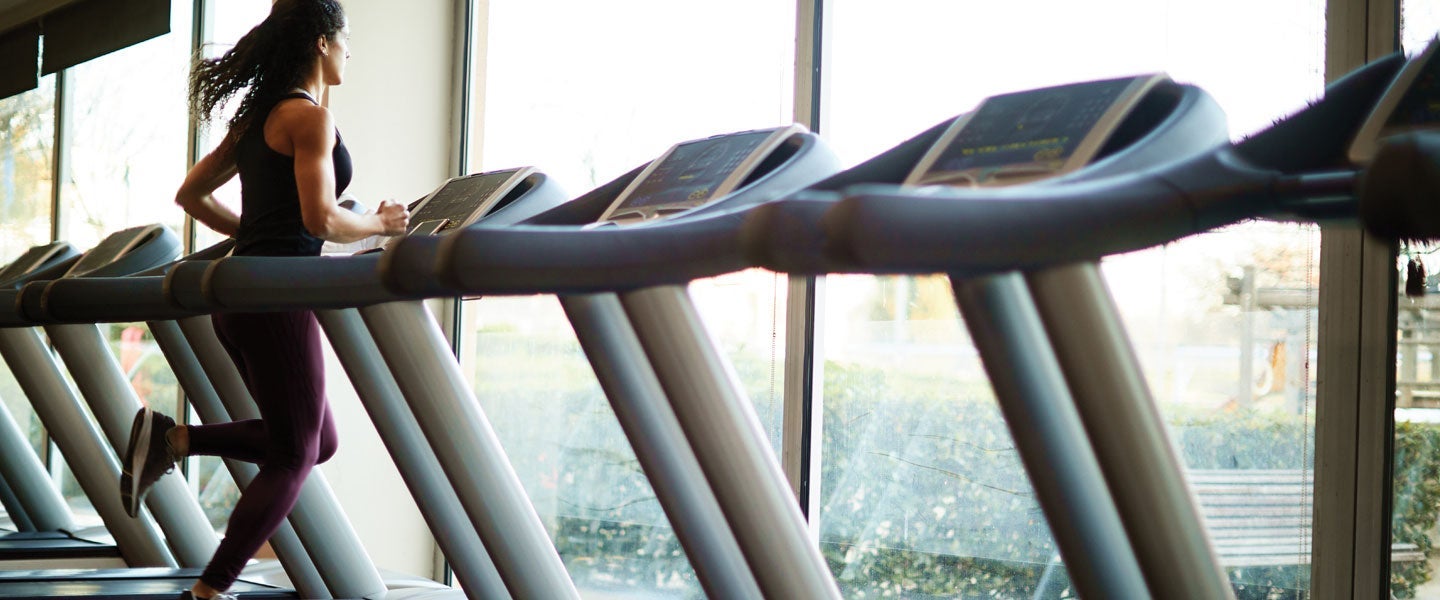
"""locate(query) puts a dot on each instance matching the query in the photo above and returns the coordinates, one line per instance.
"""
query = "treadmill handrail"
(528, 259)
(898, 230)
(568, 260)
(108, 300)
(261, 283)
(895, 230)
(563, 258)
(11, 291)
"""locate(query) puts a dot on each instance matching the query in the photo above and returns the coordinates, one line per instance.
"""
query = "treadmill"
(1302, 168)
(1067, 445)
(648, 264)
(759, 165)
(217, 392)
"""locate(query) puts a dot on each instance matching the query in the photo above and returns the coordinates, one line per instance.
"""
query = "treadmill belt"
(126, 584)
(47, 544)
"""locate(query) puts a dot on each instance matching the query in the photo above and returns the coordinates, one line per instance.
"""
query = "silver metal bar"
(14, 510)
(95, 468)
(60, 154)
(468, 450)
(34, 494)
(186, 366)
(802, 432)
(113, 403)
(317, 517)
(659, 443)
(1145, 476)
(730, 444)
(1049, 436)
(406, 443)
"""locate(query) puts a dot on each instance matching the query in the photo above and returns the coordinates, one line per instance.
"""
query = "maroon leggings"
(279, 357)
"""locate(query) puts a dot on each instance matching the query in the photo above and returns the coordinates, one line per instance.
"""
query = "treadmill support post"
(1145, 476)
(660, 445)
(1049, 436)
(468, 449)
(14, 510)
(730, 444)
(38, 505)
(405, 442)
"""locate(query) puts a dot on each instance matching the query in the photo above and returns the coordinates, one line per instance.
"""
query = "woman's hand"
(394, 218)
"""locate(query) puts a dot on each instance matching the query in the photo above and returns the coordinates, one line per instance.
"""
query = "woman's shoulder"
(302, 122)
(300, 113)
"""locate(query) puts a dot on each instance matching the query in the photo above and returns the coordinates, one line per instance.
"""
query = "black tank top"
(270, 221)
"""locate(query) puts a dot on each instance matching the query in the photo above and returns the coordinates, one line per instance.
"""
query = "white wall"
(393, 112)
(395, 105)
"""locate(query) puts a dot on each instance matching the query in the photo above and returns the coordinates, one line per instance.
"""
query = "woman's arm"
(195, 195)
(312, 133)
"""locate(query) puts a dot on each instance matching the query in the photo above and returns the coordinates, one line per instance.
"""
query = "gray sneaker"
(148, 457)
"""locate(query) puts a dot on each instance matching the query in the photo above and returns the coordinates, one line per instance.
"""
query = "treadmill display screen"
(1036, 128)
(27, 262)
(692, 171)
(1420, 106)
(104, 253)
(456, 200)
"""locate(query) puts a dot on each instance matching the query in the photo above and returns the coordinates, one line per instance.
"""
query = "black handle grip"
(889, 229)
(1400, 189)
(107, 300)
(788, 236)
(12, 317)
(565, 260)
(185, 286)
(259, 283)
(408, 267)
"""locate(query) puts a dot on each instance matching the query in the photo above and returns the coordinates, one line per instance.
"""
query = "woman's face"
(332, 62)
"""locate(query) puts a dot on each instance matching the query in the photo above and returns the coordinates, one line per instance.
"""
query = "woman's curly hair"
(270, 60)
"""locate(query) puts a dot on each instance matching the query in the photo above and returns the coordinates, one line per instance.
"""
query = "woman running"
(292, 165)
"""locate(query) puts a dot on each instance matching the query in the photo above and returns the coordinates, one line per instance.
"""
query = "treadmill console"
(35, 258)
(692, 173)
(1411, 103)
(1035, 134)
(143, 246)
(460, 201)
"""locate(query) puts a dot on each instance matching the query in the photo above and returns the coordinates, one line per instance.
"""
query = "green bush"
(1416, 501)
(923, 492)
